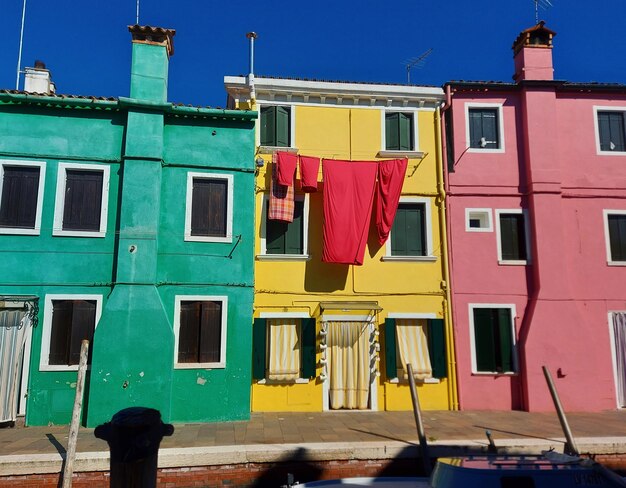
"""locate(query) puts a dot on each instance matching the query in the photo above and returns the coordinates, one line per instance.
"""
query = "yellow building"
(337, 336)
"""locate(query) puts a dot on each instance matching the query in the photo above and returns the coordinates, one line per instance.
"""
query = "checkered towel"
(281, 198)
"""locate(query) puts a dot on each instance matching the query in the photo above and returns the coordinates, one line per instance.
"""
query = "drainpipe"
(252, 36)
(443, 236)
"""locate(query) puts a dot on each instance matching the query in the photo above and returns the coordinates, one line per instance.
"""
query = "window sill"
(616, 263)
(493, 373)
(59, 368)
(429, 259)
(226, 240)
(485, 150)
(426, 381)
(19, 231)
(512, 262)
(283, 257)
(78, 233)
(199, 365)
(478, 229)
(400, 154)
(611, 153)
(273, 149)
(297, 381)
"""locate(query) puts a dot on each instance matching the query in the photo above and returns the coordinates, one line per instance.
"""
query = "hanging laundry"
(309, 168)
(286, 167)
(390, 180)
(349, 188)
(281, 204)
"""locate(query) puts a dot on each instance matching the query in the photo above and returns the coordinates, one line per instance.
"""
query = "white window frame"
(391, 153)
(292, 130)
(513, 312)
(59, 205)
(484, 211)
(614, 356)
(229, 206)
(305, 233)
(44, 357)
(428, 226)
(285, 315)
(600, 108)
(475, 105)
(607, 236)
(201, 298)
(40, 191)
(513, 262)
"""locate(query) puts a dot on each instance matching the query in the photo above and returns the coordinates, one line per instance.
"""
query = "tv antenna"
(417, 62)
(19, 53)
(545, 4)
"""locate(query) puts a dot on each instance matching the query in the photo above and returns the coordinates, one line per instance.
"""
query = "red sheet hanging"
(286, 167)
(390, 180)
(349, 188)
(309, 168)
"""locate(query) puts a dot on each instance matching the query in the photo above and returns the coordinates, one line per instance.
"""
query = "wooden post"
(78, 404)
(570, 446)
(418, 421)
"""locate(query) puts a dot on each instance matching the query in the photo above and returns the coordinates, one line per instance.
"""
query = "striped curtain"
(349, 364)
(284, 349)
(619, 329)
(413, 348)
(14, 324)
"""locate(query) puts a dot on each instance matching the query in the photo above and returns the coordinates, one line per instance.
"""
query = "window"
(276, 126)
(21, 196)
(68, 320)
(484, 127)
(283, 347)
(411, 236)
(493, 340)
(615, 236)
(81, 200)
(286, 240)
(512, 242)
(399, 131)
(611, 130)
(200, 331)
(209, 209)
(478, 220)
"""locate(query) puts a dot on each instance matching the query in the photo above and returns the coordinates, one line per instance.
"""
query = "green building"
(128, 222)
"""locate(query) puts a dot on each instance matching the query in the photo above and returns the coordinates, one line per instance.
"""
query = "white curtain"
(14, 325)
(413, 348)
(619, 329)
(348, 357)
(284, 349)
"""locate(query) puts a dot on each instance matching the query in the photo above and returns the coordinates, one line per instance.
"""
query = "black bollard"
(134, 435)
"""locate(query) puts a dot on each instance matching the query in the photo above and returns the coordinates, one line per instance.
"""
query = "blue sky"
(86, 45)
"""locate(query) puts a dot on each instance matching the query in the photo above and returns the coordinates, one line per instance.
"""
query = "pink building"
(536, 185)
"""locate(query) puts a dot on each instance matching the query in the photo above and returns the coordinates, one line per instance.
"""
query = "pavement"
(272, 437)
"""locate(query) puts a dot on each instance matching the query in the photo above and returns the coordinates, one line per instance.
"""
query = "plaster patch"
(141, 374)
(201, 380)
(73, 385)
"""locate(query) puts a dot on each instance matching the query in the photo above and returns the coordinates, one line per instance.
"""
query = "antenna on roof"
(417, 62)
(19, 54)
(137, 21)
(545, 4)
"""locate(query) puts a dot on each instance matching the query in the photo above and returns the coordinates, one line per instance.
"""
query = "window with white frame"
(68, 320)
(21, 196)
(286, 240)
(82, 197)
(410, 237)
(615, 236)
(209, 207)
(478, 220)
(400, 131)
(610, 130)
(483, 129)
(276, 126)
(492, 336)
(200, 331)
(512, 236)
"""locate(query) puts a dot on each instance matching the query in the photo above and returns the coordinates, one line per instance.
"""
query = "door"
(619, 341)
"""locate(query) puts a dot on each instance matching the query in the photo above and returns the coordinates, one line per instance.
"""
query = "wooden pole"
(418, 421)
(68, 470)
(570, 446)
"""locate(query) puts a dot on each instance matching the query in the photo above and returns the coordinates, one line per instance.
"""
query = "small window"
(81, 200)
(611, 132)
(410, 236)
(494, 345)
(208, 216)
(615, 228)
(399, 131)
(286, 239)
(21, 195)
(512, 243)
(478, 220)
(284, 352)
(484, 127)
(276, 126)
(200, 326)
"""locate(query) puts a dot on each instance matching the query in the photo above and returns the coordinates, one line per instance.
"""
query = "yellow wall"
(299, 286)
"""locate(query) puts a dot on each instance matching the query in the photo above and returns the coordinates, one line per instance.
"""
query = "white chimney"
(38, 80)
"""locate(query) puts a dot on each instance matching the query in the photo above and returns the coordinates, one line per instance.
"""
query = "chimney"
(38, 79)
(532, 54)
(152, 48)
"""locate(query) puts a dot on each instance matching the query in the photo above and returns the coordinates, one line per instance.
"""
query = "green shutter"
(398, 232)
(490, 128)
(391, 365)
(505, 330)
(282, 126)
(294, 231)
(475, 127)
(617, 237)
(484, 340)
(437, 347)
(392, 136)
(259, 340)
(512, 237)
(408, 234)
(268, 126)
(309, 336)
(405, 129)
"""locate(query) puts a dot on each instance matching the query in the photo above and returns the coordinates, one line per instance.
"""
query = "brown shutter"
(209, 207)
(83, 325)
(188, 332)
(60, 332)
(83, 200)
(211, 332)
